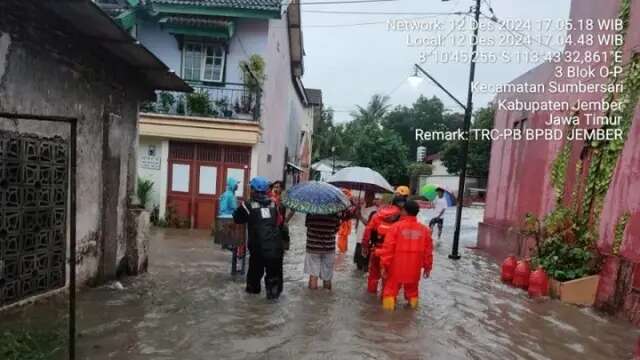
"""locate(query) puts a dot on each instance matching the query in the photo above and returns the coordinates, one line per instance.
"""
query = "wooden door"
(210, 186)
(197, 179)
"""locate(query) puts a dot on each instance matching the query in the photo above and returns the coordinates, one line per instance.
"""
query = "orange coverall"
(407, 249)
(345, 226)
(381, 222)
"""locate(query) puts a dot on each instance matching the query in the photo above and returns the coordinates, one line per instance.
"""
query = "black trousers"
(269, 267)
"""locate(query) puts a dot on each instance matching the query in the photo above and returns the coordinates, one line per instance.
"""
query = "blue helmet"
(260, 184)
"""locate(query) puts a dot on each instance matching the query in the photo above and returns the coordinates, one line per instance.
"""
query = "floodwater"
(188, 307)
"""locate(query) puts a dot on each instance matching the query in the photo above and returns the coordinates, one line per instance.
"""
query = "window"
(180, 178)
(238, 175)
(203, 62)
(208, 180)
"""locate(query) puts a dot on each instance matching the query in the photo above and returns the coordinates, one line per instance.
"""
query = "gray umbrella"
(360, 178)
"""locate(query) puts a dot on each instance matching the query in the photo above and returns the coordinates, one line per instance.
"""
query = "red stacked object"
(521, 274)
(538, 283)
(508, 268)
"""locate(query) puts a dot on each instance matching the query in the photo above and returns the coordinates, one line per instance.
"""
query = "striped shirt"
(321, 233)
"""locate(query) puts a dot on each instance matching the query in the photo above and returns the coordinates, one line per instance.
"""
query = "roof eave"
(218, 11)
(91, 21)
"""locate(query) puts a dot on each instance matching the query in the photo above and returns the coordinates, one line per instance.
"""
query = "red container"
(521, 274)
(508, 268)
(538, 283)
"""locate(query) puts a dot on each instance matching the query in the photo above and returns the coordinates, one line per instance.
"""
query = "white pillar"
(164, 176)
(255, 154)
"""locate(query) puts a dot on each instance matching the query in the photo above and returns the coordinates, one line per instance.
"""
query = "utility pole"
(333, 166)
(455, 255)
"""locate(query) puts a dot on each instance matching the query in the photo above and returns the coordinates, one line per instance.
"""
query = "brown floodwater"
(188, 307)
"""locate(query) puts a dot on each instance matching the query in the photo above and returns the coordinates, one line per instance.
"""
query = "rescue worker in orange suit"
(345, 224)
(375, 232)
(407, 254)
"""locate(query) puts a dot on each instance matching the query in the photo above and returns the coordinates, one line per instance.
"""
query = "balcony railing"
(230, 101)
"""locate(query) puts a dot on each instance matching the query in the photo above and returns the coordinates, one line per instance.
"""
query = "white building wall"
(438, 168)
(154, 168)
(162, 44)
(250, 38)
(282, 109)
(449, 182)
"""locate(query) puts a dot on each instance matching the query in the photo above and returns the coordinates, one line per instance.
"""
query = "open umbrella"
(429, 191)
(360, 178)
(315, 197)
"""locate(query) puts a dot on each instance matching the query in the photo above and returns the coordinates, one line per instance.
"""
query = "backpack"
(264, 233)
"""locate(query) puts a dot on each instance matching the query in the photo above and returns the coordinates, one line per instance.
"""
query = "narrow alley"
(188, 307)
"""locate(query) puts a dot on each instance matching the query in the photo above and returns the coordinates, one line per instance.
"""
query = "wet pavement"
(188, 307)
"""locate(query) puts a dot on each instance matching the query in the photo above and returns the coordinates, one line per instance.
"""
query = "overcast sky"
(352, 62)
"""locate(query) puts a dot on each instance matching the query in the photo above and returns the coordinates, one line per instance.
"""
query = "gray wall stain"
(5, 43)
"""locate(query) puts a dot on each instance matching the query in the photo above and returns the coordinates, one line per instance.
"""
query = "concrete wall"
(519, 180)
(46, 70)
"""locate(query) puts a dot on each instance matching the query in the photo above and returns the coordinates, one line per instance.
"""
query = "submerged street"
(188, 307)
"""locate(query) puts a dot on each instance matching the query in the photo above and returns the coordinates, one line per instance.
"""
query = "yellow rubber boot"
(388, 303)
(413, 302)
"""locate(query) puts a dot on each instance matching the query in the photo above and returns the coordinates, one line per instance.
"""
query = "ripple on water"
(189, 308)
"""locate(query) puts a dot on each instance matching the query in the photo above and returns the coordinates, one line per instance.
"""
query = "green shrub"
(198, 103)
(166, 101)
(31, 345)
(144, 191)
(563, 261)
(557, 251)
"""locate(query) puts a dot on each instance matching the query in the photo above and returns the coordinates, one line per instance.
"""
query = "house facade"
(68, 134)
(598, 182)
(249, 114)
(440, 176)
(323, 169)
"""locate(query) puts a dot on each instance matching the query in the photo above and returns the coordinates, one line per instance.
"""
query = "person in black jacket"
(266, 248)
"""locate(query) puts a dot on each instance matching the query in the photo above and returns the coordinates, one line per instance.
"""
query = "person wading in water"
(266, 248)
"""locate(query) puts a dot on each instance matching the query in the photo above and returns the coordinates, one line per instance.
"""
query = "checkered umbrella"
(315, 197)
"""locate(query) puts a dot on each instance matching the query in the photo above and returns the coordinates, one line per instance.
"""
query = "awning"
(295, 167)
(96, 25)
(198, 26)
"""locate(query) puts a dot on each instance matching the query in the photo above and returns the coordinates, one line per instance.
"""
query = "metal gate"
(33, 215)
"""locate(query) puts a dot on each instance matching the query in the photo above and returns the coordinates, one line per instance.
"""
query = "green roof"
(197, 21)
(269, 5)
(199, 25)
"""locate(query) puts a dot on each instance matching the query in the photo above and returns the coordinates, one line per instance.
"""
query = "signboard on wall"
(150, 162)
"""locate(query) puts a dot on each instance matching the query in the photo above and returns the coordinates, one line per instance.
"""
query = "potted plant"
(166, 101)
(180, 110)
(253, 77)
(144, 191)
(571, 264)
(198, 103)
(222, 105)
(147, 107)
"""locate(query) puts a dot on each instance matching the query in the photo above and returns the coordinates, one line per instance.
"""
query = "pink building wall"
(520, 176)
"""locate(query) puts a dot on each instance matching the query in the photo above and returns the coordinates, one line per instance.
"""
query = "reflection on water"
(188, 307)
